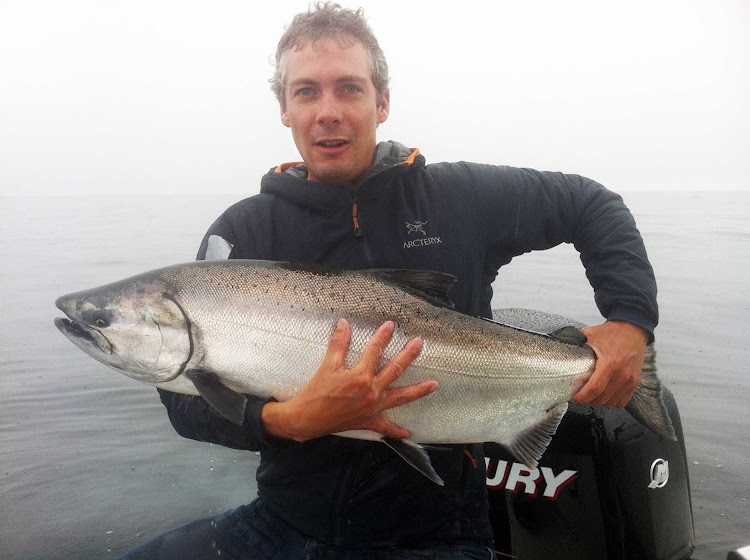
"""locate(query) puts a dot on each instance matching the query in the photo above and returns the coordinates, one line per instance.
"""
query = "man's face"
(333, 109)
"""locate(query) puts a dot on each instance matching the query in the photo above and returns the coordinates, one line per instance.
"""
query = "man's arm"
(620, 348)
(538, 210)
(191, 416)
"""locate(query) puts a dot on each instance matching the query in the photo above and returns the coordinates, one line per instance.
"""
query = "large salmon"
(222, 329)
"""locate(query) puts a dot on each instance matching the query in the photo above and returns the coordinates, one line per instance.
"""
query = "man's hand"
(619, 347)
(338, 399)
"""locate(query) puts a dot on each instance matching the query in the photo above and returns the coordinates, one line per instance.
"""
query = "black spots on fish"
(311, 268)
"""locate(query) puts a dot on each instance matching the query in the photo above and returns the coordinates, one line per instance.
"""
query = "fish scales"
(223, 329)
(484, 369)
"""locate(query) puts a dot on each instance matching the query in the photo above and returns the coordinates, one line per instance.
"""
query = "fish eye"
(100, 318)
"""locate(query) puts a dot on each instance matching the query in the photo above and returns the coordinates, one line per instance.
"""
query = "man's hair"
(330, 21)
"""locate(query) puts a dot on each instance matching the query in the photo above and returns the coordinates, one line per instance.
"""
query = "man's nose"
(329, 109)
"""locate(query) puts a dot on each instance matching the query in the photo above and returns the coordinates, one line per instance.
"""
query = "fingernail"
(434, 388)
(419, 342)
(340, 324)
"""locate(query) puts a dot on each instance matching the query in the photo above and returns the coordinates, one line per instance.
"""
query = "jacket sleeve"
(191, 416)
(527, 210)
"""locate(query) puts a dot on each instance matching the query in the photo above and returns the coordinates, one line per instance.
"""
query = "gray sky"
(109, 97)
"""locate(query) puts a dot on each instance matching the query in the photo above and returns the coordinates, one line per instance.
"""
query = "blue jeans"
(252, 532)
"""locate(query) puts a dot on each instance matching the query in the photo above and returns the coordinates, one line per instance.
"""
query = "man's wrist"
(278, 421)
(636, 330)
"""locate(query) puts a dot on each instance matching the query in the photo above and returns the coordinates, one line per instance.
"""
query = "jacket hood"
(387, 154)
(284, 179)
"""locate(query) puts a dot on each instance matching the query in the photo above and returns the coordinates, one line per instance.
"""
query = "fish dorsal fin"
(529, 445)
(567, 335)
(510, 326)
(429, 285)
(415, 455)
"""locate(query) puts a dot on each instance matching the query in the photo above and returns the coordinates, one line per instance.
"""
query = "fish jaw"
(135, 326)
(89, 340)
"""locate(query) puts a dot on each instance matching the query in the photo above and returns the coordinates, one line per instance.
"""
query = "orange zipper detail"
(355, 219)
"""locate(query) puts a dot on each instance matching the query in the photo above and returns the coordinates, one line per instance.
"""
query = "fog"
(117, 97)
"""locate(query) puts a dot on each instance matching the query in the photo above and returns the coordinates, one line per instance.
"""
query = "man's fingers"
(607, 387)
(599, 388)
(591, 390)
(393, 369)
(338, 345)
(382, 425)
(606, 397)
(403, 395)
(626, 399)
(374, 350)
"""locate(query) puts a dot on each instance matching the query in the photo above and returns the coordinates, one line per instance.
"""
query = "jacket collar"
(289, 180)
(387, 155)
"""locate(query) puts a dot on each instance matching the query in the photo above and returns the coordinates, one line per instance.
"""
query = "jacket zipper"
(355, 217)
(358, 233)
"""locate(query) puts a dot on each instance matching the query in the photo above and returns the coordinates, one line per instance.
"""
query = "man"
(358, 204)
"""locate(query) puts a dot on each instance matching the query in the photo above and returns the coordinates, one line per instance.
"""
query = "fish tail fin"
(646, 405)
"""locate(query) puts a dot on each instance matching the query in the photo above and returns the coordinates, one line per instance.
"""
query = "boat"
(607, 487)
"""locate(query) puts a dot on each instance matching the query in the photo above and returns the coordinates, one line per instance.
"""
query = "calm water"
(90, 466)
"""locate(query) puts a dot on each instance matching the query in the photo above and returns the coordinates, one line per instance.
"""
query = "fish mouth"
(82, 337)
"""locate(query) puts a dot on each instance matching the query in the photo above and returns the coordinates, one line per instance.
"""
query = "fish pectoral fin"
(569, 335)
(227, 402)
(415, 455)
(530, 444)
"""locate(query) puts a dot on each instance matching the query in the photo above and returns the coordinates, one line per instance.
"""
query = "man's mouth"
(331, 143)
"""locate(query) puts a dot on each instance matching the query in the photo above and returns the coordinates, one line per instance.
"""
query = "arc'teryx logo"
(416, 227)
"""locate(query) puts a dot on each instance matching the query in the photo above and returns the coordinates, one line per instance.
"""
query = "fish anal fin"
(429, 285)
(227, 402)
(415, 455)
(528, 445)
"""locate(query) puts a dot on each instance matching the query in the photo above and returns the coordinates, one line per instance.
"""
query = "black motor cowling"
(606, 488)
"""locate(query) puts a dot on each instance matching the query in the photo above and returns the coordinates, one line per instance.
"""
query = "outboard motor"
(605, 488)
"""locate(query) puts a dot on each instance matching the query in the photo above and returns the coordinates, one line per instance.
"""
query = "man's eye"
(351, 89)
(304, 92)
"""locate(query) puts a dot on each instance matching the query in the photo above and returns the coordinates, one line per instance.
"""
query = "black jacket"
(462, 218)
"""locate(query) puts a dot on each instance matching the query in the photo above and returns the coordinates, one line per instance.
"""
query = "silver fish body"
(262, 328)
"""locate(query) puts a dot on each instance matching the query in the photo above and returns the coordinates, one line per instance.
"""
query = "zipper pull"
(355, 219)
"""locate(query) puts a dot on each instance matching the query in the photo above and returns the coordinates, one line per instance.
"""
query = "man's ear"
(285, 117)
(384, 107)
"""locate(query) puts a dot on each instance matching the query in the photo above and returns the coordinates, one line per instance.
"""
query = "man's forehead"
(343, 41)
(329, 60)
